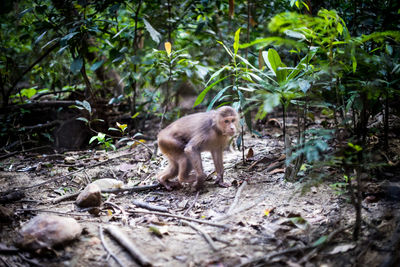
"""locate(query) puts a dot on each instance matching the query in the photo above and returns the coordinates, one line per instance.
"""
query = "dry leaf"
(168, 47)
(250, 153)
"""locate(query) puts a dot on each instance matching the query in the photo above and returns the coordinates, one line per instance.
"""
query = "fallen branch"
(148, 206)
(237, 196)
(53, 211)
(128, 245)
(111, 190)
(65, 197)
(107, 248)
(84, 168)
(191, 205)
(132, 189)
(181, 217)
(204, 234)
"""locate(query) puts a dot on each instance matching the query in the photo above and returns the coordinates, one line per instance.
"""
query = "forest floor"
(261, 219)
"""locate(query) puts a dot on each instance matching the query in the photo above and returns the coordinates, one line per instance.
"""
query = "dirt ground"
(259, 215)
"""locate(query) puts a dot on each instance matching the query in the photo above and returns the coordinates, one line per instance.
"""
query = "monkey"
(183, 141)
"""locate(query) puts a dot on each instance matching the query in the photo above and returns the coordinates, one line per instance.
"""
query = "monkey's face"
(228, 125)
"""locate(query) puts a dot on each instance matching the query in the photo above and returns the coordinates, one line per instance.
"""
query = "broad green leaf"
(76, 65)
(247, 118)
(29, 92)
(272, 58)
(340, 28)
(270, 102)
(92, 139)
(155, 35)
(217, 97)
(201, 96)
(236, 43)
(96, 65)
(304, 85)
(87, 106)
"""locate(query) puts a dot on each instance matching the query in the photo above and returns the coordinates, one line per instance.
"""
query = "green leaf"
(135, 115)
(87, 106)
(68, 36)
(82, 119)
(201, 96)
(247, 119)
(96, 65)
(118, 33)
(155, 35)
(217, 97)
(226, 48)
(320, 241)
(215, 74)
(40, 37)
(340, 28)
(236, 43)
(272, 58)
(76, 65)
(92, 139)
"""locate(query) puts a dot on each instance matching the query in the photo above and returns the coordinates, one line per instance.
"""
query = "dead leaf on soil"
(342, 248)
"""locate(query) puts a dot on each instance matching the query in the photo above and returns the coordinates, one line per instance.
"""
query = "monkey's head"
(227, 120)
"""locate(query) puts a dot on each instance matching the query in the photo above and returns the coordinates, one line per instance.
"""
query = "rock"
(108, 183)
(6, 215)
(89, 197)
(46, 231)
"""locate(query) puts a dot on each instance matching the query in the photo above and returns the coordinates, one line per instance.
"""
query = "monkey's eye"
(226, 121)
(233, 120)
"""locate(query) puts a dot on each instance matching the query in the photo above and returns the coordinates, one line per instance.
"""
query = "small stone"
(46, 231)
(89, 197)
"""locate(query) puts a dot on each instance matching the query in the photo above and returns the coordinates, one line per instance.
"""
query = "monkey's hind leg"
(169, 173)
(185, 167)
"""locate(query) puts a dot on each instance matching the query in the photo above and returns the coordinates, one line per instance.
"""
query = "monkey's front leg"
(217, 156)
(193, 154)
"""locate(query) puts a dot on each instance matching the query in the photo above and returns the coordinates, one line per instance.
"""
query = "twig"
(181, 217)
(65, 197)
(204, 234)
(53, 211)
(148, 206)
(128, 245)
(124, 215)
(132, 189)
(191, 205)
(107, 248)
(111, 190)
(31, 262)
(237, 196)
